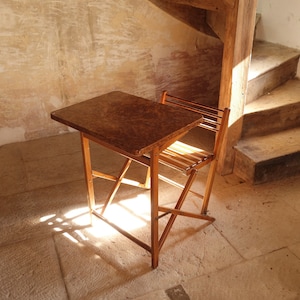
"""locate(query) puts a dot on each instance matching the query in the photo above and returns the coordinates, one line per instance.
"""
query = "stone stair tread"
(286, 94)
(267, 56)
(269, 147)
(264, 148)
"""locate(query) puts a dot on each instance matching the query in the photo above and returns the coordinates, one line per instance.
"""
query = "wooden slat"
(127, 181)
(212, 117)
(183, 156)
(185, 213)
(184, 149)
(173, 163)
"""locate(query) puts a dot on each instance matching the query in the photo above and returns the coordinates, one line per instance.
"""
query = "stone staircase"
(269, 148)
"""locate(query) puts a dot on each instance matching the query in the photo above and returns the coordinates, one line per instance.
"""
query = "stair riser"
(266, 171)
(269, 146)
(272, 120)
(268, 81)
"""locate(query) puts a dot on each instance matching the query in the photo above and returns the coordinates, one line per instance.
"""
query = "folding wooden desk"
(133, 127)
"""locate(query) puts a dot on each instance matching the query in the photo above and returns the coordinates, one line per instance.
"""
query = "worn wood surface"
(238, 42)
(128, 123)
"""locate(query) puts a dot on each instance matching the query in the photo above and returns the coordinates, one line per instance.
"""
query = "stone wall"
(280, 23)
(56, 53)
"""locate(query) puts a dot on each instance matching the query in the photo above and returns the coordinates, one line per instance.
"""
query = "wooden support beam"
(238, 41)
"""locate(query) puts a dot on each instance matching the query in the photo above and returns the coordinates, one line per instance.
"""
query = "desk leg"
(154, 207)
(88, 173)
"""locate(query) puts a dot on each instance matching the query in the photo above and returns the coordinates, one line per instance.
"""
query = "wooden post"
(154, 206)
(238, 41)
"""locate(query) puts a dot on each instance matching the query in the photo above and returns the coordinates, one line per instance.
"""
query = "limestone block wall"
(54, 53)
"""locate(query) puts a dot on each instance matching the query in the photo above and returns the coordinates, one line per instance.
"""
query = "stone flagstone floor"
(48, 250)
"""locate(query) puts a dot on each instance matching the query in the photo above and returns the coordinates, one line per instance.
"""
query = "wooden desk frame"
(111, 120)
(153, 163)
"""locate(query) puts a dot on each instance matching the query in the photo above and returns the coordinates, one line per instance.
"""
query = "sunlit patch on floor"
(129, 214)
